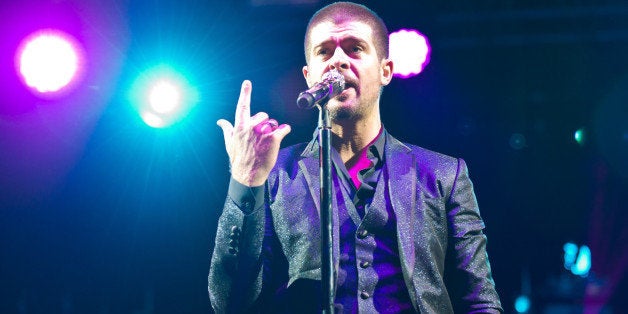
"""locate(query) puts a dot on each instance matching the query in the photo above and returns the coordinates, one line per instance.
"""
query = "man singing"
(407, 231)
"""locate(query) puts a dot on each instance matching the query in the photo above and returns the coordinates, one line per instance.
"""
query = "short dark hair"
(340, 12)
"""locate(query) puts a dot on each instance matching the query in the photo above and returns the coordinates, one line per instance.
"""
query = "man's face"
(348, 48)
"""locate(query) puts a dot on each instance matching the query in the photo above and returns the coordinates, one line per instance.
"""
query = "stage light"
(162, 97)
(579, 136)
(577, 259)
(152, 119)
(410, 52)
(522, 304)
(48, 61)
(517, 141)
(583, 263)
(570, 252)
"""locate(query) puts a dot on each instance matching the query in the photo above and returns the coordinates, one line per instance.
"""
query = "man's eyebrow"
(354, 39)
(317, 45)
(322, 43)
(348, 38)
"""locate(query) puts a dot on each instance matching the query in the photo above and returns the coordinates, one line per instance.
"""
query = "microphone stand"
(333, 83)
(327, 263)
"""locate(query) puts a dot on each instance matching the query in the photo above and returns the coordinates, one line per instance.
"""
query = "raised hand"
(252, 142)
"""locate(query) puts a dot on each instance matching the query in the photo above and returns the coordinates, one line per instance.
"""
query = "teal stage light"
(522, 304)
(579, 136)
(570, 252)
(577, 259)
(583, 262)
(162, 97)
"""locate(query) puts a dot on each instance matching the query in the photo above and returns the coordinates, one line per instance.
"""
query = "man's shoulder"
(426, 158)
(436, 171)
(424, 155)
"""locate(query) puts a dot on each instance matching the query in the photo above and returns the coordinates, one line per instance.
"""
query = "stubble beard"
(340, 112)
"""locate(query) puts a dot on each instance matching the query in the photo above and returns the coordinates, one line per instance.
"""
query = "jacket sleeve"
(472, 287)
(235, 273)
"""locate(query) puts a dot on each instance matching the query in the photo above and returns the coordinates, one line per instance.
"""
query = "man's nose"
(339, 61)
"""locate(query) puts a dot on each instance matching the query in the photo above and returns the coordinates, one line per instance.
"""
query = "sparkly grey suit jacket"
(261, 256)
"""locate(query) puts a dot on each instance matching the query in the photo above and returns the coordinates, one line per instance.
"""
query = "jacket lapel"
(309, 166)
(402, 182)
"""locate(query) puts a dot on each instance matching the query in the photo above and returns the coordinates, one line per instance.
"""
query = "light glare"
(583, 263)
(522, 304)
(577, 259)
(570, 253)
(48, 61)
(152, 119)
(409, 51)
(164, 97)
(579, 136)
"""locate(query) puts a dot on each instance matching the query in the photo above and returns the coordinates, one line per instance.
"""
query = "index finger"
(243, 109)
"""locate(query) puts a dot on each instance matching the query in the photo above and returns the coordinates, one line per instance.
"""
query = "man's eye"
(322, 52)
(356, 49)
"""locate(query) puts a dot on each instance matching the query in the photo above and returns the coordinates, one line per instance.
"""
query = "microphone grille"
(336, 80)
(335, 77)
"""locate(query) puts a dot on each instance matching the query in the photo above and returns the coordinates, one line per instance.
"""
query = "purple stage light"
(48, 60)
(410, 52)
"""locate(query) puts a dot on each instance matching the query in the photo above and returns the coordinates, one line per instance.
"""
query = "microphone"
(333, 83)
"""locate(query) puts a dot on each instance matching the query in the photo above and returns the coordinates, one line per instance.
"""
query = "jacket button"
(233, 251)
(365, 264)
(235, 230)
(364, 295)
(362, 233)
(233, 243)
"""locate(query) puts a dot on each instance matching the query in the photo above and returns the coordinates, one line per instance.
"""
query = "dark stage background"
(100, 213)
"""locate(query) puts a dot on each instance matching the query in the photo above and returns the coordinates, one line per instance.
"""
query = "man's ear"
(305, 72)
(387, 71)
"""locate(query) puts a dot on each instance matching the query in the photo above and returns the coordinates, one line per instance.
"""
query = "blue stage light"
(162, 97)
(583, 263)
(577, 259)
(522, 304)
(579, 136)
(570, 253)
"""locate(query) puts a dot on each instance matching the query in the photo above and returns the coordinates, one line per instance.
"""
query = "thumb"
(227, 129)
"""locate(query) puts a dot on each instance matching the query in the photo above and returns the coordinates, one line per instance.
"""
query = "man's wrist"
(249, 178)
(247, 198)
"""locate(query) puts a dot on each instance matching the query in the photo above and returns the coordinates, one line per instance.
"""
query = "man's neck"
(352, 139)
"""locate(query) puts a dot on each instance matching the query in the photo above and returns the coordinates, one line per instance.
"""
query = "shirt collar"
(375, 149)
